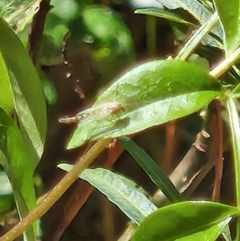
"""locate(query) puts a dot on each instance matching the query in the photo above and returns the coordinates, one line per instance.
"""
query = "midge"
(98, 111)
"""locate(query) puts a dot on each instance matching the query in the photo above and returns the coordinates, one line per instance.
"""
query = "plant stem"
(196, 38)
(235, 136)
(151, 35)
(226, 64)
(51, 197)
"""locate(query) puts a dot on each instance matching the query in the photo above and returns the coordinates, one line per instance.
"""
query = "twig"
(226, 64)
(216, 146)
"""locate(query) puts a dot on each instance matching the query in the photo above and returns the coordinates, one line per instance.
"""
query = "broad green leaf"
(177, 221)
(28, 96)
(151, 94)
(161, 13)
(229, 14)
(19, 161)
(151, 168)
(6, 95)
(119, 190)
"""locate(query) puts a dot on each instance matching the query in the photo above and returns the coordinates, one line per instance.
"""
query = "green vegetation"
(47, 53)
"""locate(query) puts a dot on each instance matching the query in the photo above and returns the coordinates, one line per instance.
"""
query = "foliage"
(153, 93)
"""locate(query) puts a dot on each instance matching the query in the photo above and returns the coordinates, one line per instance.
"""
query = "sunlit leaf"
(19, 17)
(185, 221)
(119, 190)
(151, 94)
(28, 96)
(6, 96)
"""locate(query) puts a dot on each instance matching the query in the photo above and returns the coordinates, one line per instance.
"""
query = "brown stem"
(36, 30)
(170, 146)
(217, 147)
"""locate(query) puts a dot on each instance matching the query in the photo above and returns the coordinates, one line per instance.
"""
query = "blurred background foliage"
(85, 45)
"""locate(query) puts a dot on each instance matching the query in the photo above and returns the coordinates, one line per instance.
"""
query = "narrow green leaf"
(119, 190)
(232, 111)
(6, 96)
(32, 114)
(161, 13)
(151, 94)
(19, 162)
(229, 14)
(151, 168)
(195, 8)
(181, 220)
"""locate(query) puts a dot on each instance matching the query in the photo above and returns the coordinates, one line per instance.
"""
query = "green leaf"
(232, 111)
(229, 14)
(196, 59)
(119, 190)
(160, 13)
(19, 14)
(195, 8)
(19, 161)
(151, 94)
(209, 234)
(151, 168)
(6, 96)
(176, 221)
(28, 95)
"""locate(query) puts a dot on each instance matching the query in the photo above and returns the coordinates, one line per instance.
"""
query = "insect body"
(94, 112)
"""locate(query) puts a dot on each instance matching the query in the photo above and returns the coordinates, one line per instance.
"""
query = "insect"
(95, 112)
